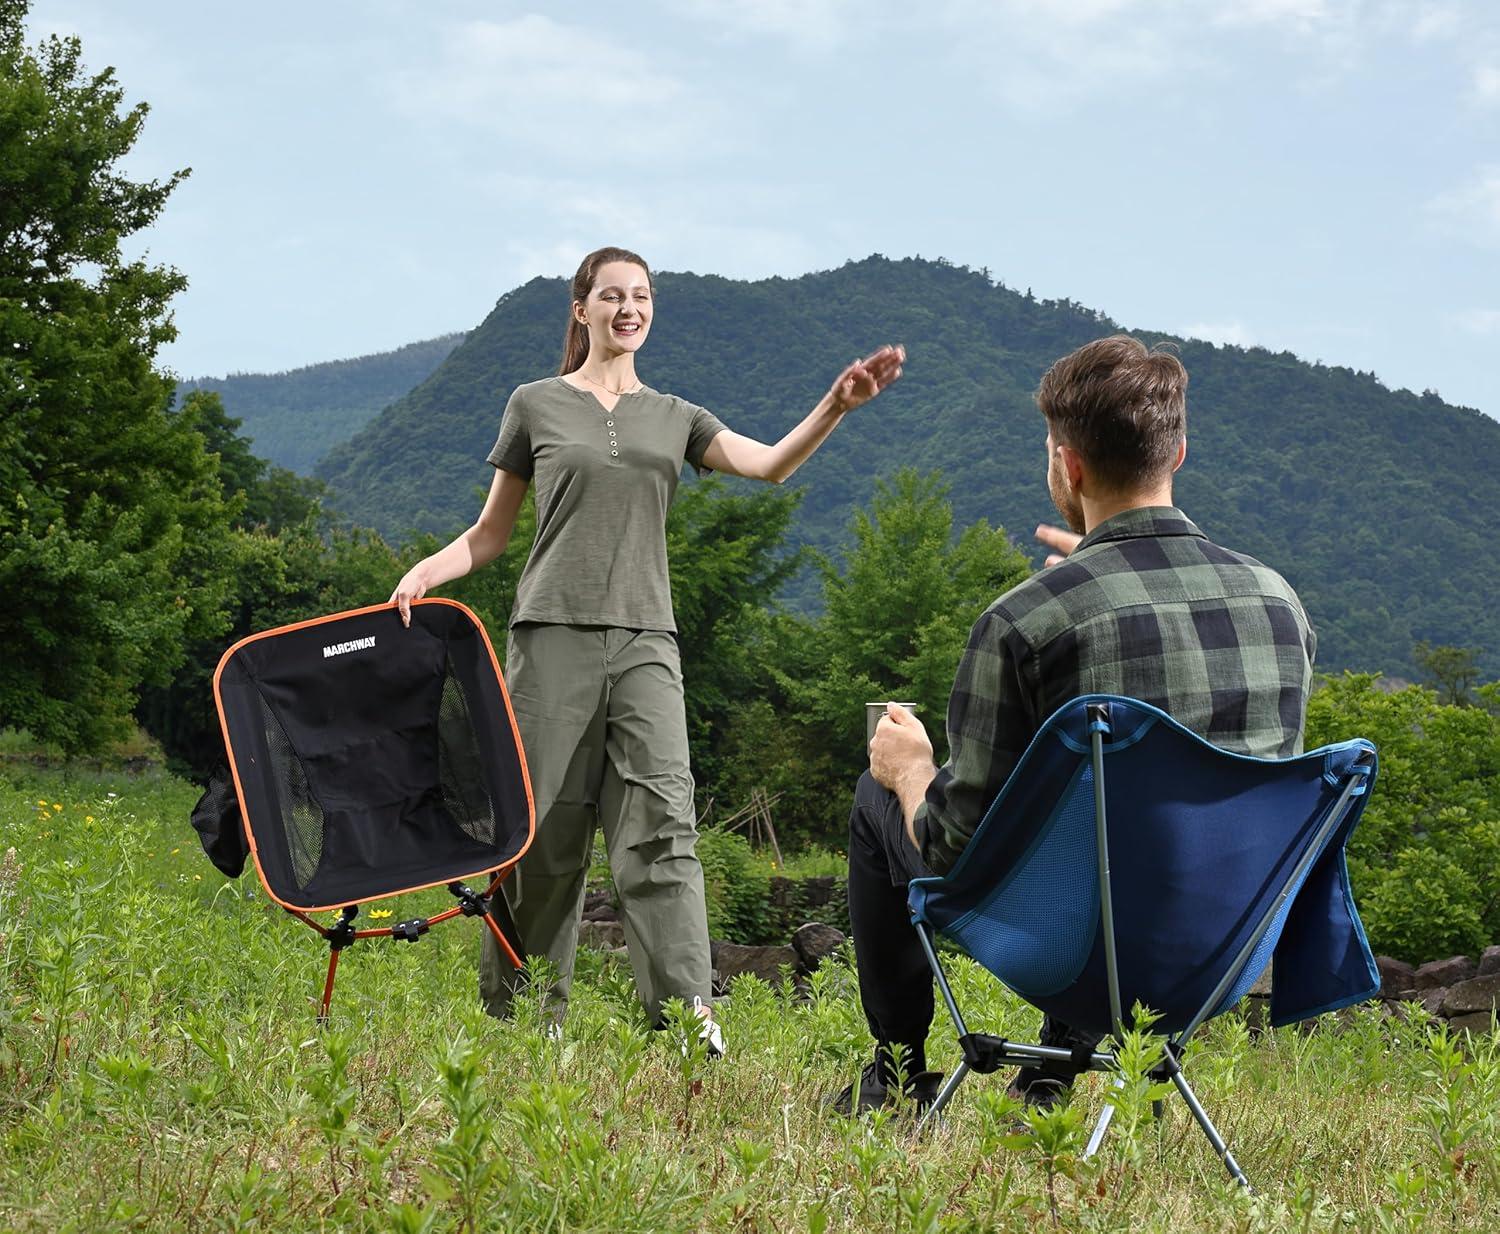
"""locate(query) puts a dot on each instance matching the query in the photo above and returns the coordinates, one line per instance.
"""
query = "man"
(1137, 602)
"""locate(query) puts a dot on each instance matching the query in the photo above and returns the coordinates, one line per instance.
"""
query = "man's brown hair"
(1122, 406)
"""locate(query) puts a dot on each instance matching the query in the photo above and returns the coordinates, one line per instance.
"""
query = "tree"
(727, 549)
(275, 560)
(1452, 671)
(897, 615)
(301, 572)
(105, 496)
(269, 497)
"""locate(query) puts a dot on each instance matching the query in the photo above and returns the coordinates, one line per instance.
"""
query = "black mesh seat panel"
(372, 759)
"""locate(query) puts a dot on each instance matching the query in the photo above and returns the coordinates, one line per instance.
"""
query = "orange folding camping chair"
(368, 760)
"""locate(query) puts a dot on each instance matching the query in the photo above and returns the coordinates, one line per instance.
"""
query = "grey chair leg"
(935, 1110)
(1210, 1130)
(1102, 1125)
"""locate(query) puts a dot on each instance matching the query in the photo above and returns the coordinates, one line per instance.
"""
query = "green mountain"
(295, 418)
(1379, 505)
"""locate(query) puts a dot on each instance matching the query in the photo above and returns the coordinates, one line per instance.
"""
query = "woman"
(592, 660)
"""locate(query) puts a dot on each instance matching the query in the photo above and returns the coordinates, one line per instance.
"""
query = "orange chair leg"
(503, 941)
(333, 964)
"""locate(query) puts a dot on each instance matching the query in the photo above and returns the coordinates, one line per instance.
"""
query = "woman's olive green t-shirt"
(603, 481)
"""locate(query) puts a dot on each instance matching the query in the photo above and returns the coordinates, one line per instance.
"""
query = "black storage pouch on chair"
(216, 818)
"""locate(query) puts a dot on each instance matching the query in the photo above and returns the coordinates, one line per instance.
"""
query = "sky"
(1319, 176)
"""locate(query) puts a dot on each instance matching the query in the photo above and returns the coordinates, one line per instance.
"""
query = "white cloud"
(1432, 21)
(1040, 54)
(673, 231)
(1472, 211)
(1487, 84)
(805, 25)
(1302, 15)
(542, 83)
(1225, 333)
(1044, 53)
(1062, 12)
(1478, 321)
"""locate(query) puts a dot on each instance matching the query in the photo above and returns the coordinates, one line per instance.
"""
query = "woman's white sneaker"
(710, 1032)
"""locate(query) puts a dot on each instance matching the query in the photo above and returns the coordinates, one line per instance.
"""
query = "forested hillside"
(295, 418)
(1379, 505)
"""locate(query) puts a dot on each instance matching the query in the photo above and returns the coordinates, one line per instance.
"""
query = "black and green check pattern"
(1147, 607)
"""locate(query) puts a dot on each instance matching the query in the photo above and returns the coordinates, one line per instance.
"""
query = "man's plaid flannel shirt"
(1147, 607)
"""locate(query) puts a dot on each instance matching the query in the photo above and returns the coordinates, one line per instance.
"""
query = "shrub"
(1425, 861)
(751, 900)
(738, 884)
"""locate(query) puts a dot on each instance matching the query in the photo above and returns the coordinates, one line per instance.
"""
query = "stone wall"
(804, 950)
(1464, 990)
(822, 897)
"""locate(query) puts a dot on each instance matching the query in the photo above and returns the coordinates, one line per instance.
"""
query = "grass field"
(160, 1069)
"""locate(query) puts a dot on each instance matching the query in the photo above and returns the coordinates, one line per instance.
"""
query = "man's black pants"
(895, 983)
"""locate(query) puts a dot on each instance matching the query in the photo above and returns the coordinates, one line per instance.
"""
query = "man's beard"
(1066, 501)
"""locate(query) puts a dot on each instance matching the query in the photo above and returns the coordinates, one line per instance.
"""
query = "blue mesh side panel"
(1259, 958)
(1035, 930)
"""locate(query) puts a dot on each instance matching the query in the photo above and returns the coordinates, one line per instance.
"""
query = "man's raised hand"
(1056, 538)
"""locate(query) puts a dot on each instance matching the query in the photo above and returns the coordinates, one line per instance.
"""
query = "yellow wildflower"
(197, 878)
(175, 851)
(57, 805)
(380, 913)
(88, 818)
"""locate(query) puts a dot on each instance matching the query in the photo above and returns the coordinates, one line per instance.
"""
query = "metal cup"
(873, 712)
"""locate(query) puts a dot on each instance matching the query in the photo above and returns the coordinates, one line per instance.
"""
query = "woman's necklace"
(622, 390)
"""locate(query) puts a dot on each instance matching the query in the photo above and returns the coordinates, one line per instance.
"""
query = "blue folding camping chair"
(1171, 881)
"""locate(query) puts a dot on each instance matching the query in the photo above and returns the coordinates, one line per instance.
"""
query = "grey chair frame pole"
(1096, 1137)
(924, 932)
(1099, 725)
(1209, 1130)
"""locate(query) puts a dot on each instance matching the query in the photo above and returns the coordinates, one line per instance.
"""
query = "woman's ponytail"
(575, 344)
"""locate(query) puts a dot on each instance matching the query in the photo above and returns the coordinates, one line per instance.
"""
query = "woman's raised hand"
(866, 378)
(413, 586)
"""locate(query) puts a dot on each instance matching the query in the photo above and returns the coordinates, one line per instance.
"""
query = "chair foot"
(934, 1113)
(1209, 1129)
(1100, 1128)
(1105, 1115)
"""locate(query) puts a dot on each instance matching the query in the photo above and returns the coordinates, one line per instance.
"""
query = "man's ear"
(1073, 467)
(1181, 453)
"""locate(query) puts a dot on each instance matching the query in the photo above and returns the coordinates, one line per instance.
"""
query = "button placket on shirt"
(614, 451)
